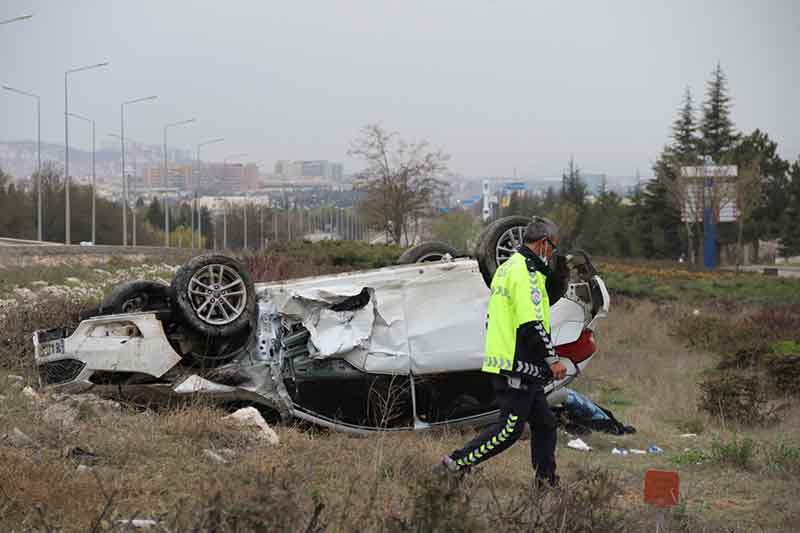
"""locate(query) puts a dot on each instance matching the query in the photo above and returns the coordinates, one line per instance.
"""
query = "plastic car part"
(427, 252)
(498, 241)
(215, 295)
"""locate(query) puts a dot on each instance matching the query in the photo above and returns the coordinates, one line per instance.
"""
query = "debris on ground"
(626, 451)
(138, 523)
(214, 457)
(17, 439)
(79, 454)
(29, 393)
(68, 408)
(578, 444)
(249, 416)
(654, 449)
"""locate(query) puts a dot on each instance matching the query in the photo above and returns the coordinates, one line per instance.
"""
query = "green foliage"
(689, 456)
(716, 126)
(738, 452)
(457, 228)
(790, 230)
(735, 290)
(18, 212)
(782, 459)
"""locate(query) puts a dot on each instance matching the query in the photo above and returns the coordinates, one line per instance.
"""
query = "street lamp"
(16, 19)
(94, 176)
(194, 186)
(66, 142)
(38, 156)
(124, 179)
(166, 204)
(225, 210)
(133, 211)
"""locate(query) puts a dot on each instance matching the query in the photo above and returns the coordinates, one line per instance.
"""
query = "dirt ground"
(145, 465)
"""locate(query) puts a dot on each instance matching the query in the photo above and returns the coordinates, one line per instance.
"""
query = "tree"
(790, 233)
(716, 127)
(747, 189)
(457, 228)
(663, 199)
(571, 210)
(403, 179)
(757, 148)
(155, 214)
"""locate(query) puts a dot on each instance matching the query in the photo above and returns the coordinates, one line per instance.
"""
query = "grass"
(91, 271)
(670, 282)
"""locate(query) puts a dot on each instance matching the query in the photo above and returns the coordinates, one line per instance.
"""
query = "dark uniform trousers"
(517, 406)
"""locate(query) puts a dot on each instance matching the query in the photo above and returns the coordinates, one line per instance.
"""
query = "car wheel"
(498, 241)
(137, 296)
(215, 295)
(427, 252)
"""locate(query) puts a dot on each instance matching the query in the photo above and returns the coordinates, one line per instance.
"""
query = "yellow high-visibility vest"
(518, 296)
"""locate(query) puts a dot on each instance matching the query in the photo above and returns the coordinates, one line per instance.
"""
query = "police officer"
(520, 355)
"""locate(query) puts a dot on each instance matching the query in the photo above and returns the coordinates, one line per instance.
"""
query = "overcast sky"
(497, 84)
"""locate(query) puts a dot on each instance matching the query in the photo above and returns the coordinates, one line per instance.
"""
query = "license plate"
(51, 348)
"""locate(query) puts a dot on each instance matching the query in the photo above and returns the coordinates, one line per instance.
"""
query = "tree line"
(656, 220)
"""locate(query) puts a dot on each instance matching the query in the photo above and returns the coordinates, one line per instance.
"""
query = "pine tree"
(684, 131)
(661, 218)
(716, 127)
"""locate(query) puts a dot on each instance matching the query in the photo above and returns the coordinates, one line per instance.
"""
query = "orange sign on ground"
(661, 487)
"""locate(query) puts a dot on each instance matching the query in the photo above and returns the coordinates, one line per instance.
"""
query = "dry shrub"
(736, 396)
(782, 365)
(277, 267)
(17, 325)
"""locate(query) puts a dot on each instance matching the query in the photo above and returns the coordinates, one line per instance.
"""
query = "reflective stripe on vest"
(518, 296)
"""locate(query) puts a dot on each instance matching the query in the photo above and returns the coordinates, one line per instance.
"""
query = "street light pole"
(166, 203)
(200, 145)
(66, 144)
(94, 176)
(124, 178)
(38, 156)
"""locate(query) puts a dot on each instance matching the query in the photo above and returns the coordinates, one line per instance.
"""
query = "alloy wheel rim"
(217, 294)
(508, 243)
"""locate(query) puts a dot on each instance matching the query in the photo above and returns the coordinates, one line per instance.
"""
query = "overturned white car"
(397, 348)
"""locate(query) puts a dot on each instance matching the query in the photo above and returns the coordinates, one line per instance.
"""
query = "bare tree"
(685, 198)
(748, 198)
(403, 179)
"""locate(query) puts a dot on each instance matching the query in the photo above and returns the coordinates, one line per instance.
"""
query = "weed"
(782, 459)
(689, 456)
(738, 452)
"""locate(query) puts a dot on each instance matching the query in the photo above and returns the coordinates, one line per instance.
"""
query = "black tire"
(427, 252)
(486, 251)
(221, 324)
(137, 296)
